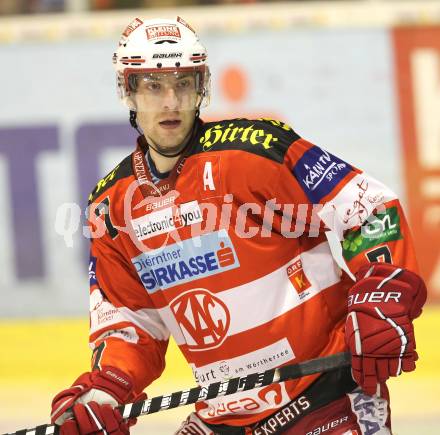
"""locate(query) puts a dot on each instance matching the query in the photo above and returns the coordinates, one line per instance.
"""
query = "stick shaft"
(235, 385)
(217, 389)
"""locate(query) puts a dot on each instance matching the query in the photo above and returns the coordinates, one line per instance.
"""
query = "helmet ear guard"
(133, 121)
(132, 83)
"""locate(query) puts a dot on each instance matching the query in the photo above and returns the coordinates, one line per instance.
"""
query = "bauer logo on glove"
(379, 330)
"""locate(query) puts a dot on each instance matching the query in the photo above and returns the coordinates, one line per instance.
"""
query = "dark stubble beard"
(170, 151)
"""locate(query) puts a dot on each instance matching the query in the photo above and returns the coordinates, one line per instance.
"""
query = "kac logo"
(203, 318)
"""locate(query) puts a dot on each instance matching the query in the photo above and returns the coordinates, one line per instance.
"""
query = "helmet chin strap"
(134, 124)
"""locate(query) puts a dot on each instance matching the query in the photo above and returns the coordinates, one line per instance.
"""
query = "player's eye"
(153, 86)
(185, 84)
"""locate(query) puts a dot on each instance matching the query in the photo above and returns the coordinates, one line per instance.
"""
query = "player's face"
(166, 106)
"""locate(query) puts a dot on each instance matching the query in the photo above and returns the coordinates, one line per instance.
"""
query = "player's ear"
(131, 103)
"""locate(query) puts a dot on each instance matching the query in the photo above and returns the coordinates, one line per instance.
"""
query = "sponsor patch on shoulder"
(102, 312)
(380, 228)
(319, 172)
(92, 271)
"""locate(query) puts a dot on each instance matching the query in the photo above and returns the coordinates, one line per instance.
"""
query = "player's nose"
(170, 100)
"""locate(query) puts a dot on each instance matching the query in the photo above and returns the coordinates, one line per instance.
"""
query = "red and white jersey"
(228, 253)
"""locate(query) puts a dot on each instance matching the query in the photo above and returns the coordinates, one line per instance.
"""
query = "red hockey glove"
(92, 418)
(105, 388)
(378, 330)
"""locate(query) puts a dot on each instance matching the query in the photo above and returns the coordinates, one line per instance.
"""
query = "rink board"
(361, 91)
(348, 90)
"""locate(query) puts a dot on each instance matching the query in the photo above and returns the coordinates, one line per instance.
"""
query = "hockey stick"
(217, 389)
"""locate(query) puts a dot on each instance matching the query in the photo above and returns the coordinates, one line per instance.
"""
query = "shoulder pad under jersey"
(122, 170)
(266, 137)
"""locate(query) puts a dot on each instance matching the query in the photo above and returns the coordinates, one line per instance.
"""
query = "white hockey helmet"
(160, 46)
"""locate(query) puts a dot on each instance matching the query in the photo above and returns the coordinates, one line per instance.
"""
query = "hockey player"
(215, 233)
